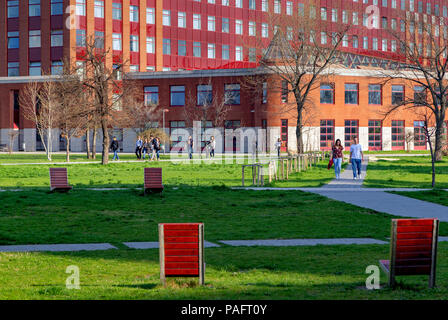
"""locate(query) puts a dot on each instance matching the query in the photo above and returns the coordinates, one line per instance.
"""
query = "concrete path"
(155, 245)
(301, 242)
(57, 247)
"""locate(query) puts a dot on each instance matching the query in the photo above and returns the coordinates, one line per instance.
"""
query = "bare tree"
(409, 138)
(39, 102)
(13, 133)
(105, 90)
(298, 58)
(424, 66)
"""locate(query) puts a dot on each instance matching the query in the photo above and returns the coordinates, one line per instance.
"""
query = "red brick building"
(162, 35)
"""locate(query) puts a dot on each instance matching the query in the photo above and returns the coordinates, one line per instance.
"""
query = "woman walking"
(338, 157)
(212, 147)
(157, 147)
(278, 146)
(145, 148)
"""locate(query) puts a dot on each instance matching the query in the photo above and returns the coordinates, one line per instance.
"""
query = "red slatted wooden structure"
(153, 180)
(413, 249)
(59, 180)
(181, 250)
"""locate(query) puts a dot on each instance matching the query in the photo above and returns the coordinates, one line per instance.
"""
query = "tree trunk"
(433, 160)
(88, 143)
(299, 134)
(105, 154)
(438, 148)
(49, 144)
(95, 131)
(67, 149)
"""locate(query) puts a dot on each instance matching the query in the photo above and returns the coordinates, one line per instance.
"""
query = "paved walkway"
(57, 247)
(301, 242)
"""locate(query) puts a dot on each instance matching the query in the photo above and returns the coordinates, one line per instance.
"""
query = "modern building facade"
(177, 36)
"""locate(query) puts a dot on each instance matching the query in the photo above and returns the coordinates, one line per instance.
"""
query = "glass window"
(277, 6)
(13, 9)
(98, 10)
(211, 23)
(35, 69)
(181, 47)
(133, 13)
(239, 26)
(398, 132)
(80, 38)
(57, 68)
(252, 28)
(239, 53)
(397, 94)
(57, 38)
(326, 133)
(150, 15)
(211, 51)
(134, 43)
(264, 5)
(177, 95)
(375, 134)
(116, 11)
(196, 21)
(166, 46)
(34, 8)
(151, 95)
(150, 45)
(264, 95)
(166, 16)
(205, 95)
(116, 41)
(264, 30)
(81, 7)
(419, 95)
(13, 69)
(99, 39)
(419, 135)
(232, 94)
(375, 94)
(351, 131)
(13, 40)
(239, 3)
(34, 39)
(351, 93)
(57, 7)
(225, 52)
(197, 49)
(327, 93)
(225, 25)
(182, 19)
(252, 4)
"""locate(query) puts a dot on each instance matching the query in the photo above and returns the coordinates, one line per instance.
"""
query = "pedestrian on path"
(278, 146)
(212, 147)
(190, 147)
(138, 148)
(145, 148)
(338, 157)
(114, 146)
(356, 158)
(157, 147)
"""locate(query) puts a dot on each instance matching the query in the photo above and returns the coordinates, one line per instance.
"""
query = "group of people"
(150, 147)
(356, 158)
(209, 145)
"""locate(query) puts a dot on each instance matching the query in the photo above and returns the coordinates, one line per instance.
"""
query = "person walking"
(114, 146)
(338, 157)
(278, 146)
(212, 147)
(145, 148)
(356, 158)
(138, 148)
(157, 147)
(190, 147)
(153, 143)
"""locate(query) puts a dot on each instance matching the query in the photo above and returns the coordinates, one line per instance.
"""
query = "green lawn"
(321, 272)
(436, 196)
(174, 174)
(407, 172)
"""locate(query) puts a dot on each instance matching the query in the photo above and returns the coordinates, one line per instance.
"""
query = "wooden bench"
(181, 250)
(413, 249)
(59, 180)
(153, 180)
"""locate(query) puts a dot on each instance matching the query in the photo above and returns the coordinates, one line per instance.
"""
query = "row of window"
(34, 68)
(34, 39)
(351, 130)
(375, 94)
(57, 8)
(204, 95)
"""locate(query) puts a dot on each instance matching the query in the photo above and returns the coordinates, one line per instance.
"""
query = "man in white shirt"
(356, 157)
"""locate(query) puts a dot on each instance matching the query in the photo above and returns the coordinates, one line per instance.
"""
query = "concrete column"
(29, 138)
(339, 133)
(129, 138)
(364, 138)
(387, 138)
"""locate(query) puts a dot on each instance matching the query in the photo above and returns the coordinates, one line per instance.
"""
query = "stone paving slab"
(301, 242)
(155, 245)
(57, 247)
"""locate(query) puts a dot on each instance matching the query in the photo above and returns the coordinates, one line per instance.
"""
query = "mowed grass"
(435, 196)
(83, 216)
(407, 172)
(320, 272)
(207, 173)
